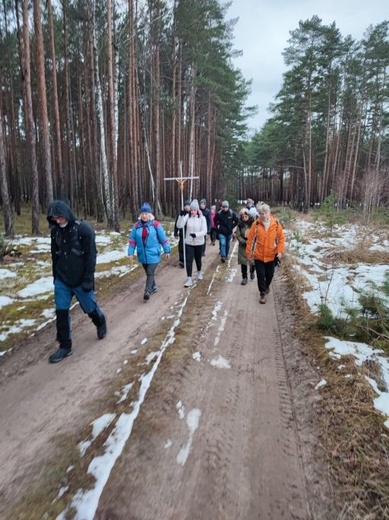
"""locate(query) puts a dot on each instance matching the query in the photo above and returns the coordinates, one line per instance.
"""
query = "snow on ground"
(340, 285)
(327, 282)
(112, 249)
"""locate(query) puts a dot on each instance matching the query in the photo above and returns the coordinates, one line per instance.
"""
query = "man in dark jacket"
(225, 221)
(73, 254)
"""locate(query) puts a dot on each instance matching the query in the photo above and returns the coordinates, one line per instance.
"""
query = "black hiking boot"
(244, 281)
(60, 354)
(100, 322)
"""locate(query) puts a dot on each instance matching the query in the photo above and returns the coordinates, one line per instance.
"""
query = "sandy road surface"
(216, 437)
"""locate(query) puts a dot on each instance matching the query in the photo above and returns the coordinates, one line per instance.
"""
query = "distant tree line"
(101, 100)
(329, 130)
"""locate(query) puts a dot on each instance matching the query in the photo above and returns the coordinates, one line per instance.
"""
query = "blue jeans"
(63, 295)
(224, 241)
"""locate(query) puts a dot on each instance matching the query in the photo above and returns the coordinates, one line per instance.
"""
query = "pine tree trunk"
(29, 117)
(192, 140)
(5, 198)
(57, 126)
(112, 127)
(133, 113)
(42, 101)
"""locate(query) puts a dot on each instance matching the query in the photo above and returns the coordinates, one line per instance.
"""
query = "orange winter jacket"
(265, 244)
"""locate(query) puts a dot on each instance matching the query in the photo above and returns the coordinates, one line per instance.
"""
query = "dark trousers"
(181, 249)
(205, 243)
(213, 235)
(150, 281)
(244, 269)
(265, 273)
(193, 253)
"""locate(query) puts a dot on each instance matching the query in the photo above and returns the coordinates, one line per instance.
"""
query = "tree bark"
(7, 207)
(42, 101)
(57, 123)
(29, 117)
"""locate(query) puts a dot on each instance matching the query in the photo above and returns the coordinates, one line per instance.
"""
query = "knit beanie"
(194, 204)
(203, 201)
(146, 208)
(187, 202)
(225, 204)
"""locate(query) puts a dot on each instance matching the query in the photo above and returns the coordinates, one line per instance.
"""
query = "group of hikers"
(73, 250)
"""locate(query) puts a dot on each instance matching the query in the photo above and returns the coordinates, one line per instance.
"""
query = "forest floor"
(226, 429)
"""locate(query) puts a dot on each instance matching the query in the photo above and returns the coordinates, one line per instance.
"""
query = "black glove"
(183, 213)
(193, 235)
(87, 286)
(277, 261)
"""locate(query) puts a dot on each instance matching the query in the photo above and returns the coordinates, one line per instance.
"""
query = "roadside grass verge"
(352, 433)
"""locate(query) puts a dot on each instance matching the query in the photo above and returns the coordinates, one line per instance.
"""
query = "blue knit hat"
(146, 208)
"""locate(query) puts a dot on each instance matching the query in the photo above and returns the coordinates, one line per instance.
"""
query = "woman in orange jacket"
(266, 244)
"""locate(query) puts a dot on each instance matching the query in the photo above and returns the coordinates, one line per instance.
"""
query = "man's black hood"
(59, 208)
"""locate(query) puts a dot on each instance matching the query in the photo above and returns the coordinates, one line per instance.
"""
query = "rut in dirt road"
(214, 436)
(217, 439)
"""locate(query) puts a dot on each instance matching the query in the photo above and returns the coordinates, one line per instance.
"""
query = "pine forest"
(101, 101)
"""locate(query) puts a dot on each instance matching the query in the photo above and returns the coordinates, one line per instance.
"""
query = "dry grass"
(353, 436)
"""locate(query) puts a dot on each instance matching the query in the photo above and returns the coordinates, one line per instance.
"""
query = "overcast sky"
(262, 33)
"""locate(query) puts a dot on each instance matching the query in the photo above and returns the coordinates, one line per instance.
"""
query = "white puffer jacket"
(194, 224)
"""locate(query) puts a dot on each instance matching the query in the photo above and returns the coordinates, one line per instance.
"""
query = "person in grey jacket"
(73, 253)
(196, 229)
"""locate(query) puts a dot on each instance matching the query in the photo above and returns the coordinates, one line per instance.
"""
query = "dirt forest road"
(223, 431)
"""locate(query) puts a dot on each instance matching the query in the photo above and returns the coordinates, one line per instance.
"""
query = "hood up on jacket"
(59, 208)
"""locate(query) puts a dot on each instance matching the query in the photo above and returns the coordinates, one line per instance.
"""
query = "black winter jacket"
(73, 248)
(225, 221)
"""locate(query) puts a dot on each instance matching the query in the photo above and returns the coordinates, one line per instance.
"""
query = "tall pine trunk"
(42, 101)
(57, 123)
(4, 189)
(24, 43)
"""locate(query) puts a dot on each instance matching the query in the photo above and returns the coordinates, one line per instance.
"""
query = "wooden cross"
(181, 181)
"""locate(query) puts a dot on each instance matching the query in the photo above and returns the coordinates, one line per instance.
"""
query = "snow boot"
(199, 275)
(100, 322)
(263, 298)
(63, 336)
(244, 281)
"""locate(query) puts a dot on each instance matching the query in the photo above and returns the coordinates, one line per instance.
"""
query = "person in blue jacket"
(147, 237)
